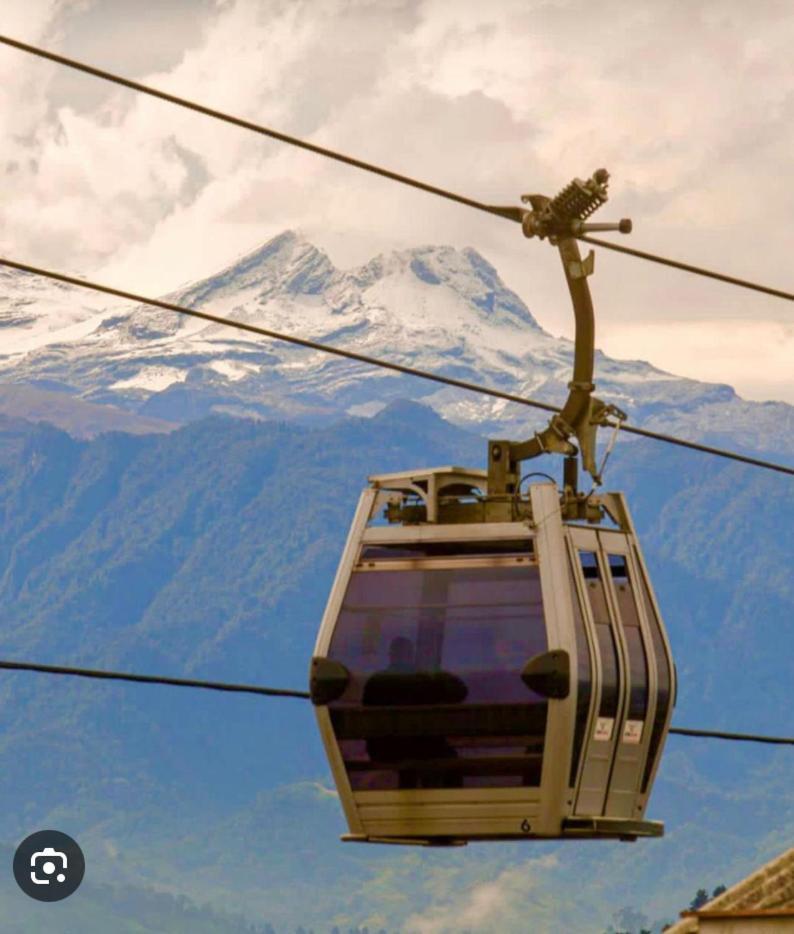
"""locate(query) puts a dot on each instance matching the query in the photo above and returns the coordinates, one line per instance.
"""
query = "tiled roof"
(771, 886)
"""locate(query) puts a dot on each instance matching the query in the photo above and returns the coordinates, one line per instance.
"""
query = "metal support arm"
(575, 415)
(582, 413)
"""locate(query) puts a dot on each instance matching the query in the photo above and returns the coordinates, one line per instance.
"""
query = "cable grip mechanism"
(565, 215)
(561, 220)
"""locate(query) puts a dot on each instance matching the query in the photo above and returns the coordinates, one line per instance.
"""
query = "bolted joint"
(531, 226)
(560, 427)
(538, 224)
(601, 411)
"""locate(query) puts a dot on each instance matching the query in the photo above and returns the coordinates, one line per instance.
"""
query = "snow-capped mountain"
(436, 308)
(35, 312)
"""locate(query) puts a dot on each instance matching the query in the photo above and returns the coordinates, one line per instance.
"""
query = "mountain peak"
(283, 249)
(287, 262)
(464, 272)
(437, 308)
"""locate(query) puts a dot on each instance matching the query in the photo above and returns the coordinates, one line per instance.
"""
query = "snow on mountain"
(436, 308)
(35, 312)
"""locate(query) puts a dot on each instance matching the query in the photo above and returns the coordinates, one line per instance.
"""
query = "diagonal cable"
(231, 688)
(736, 737)
(279, 336)
(104, 675)
(687, 267)
(377, 361)
(511, 213)
(515, 214)
(704, 448)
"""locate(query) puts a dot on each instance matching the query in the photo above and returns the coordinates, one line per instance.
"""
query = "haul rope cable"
(378, 362)
(510, 213)
(232, 688)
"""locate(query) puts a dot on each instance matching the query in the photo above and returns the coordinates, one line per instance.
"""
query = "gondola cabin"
(492, 665)
(489, 670)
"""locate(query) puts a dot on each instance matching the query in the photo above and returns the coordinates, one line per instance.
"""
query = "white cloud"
(508, 903)
(34, 17)
(690, 110)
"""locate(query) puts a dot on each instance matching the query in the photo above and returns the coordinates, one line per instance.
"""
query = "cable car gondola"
(492, 663)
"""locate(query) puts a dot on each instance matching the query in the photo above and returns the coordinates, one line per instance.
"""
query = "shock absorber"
(578, 200)
(566, 214)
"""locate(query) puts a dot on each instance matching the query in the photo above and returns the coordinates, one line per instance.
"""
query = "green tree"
(700, 899)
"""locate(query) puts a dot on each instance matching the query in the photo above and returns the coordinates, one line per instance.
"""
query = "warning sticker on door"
(632, 732)
(603, 729)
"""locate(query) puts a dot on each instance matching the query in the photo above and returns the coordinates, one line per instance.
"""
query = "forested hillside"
(209, 552)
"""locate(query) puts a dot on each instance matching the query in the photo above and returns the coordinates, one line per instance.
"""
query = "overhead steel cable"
(511, 213)
(104, 675)
(232, 688)
(515, 214)
(704, 448)
(739, 737)
(687, 267)
(376, 361)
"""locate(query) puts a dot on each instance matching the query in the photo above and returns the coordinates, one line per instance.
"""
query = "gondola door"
(632, 737)
(609, 671)
(609, 585)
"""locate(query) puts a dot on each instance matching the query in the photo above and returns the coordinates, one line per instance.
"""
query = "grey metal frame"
(554, 809)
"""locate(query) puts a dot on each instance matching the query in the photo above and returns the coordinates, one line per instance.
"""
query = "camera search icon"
(49, 866)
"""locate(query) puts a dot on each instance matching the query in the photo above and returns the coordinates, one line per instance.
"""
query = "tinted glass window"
(399, 550)
(663, 682)
(435, 697)
(610, 673)
(584, 680)
(629, 617)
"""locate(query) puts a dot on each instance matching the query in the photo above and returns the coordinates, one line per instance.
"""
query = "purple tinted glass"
(397, 550)
(610, 674)
(584, 686)
(629, 616)
(435, 697)
(663, 682)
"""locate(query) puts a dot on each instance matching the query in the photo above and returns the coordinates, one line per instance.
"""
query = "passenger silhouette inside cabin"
(415, 745)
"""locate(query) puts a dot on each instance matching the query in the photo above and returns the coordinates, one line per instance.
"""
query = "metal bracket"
(584, 268)
(586, 434)
(562, 219)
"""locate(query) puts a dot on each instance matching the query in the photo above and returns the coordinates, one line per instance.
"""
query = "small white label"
(603, 730)
(632, 732)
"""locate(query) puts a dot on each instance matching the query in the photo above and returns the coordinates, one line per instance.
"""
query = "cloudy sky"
(688, 103)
